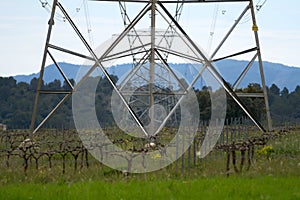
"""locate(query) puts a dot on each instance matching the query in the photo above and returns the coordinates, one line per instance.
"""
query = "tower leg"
(255, 29)
(40, 81)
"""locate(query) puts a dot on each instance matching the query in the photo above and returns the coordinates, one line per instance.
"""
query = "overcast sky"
(23, 28)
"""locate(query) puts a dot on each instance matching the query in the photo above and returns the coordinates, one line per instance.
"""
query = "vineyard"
(63, 149)
(244, 164)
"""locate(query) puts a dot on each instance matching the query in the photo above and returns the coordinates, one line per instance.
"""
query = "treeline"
(17, 101)
(284, 105)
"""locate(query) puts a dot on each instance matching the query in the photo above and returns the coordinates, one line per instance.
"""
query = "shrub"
(267, 151)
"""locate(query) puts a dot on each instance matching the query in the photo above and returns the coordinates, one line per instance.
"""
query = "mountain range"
(275, 73)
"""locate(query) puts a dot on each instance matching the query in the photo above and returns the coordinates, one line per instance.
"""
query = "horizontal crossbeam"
(178, 1)
(236, 54)
(55, 91)
(252, 95)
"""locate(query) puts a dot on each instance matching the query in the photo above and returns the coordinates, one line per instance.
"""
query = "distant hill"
(51, 73)
(279, 74)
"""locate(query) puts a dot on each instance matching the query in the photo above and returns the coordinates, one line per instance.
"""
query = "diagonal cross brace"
(215, 73)
(97, 63)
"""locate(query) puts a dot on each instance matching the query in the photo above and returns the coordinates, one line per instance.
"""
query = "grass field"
(273, 175)
(197, 188)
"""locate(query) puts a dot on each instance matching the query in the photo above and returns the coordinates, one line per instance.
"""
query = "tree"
(284, 93)
(274, 90)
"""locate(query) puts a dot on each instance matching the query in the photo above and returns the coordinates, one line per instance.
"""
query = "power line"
(46, 5)
(88, 23)
(212, 27)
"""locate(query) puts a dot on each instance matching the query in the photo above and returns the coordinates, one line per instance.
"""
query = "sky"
(23, 29)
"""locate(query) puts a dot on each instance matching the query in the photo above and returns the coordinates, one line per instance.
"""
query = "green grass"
(196, 188)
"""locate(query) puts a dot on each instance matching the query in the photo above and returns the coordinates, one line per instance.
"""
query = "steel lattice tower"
(153, 56)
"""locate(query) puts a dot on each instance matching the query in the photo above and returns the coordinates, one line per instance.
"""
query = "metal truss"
(151, 57)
